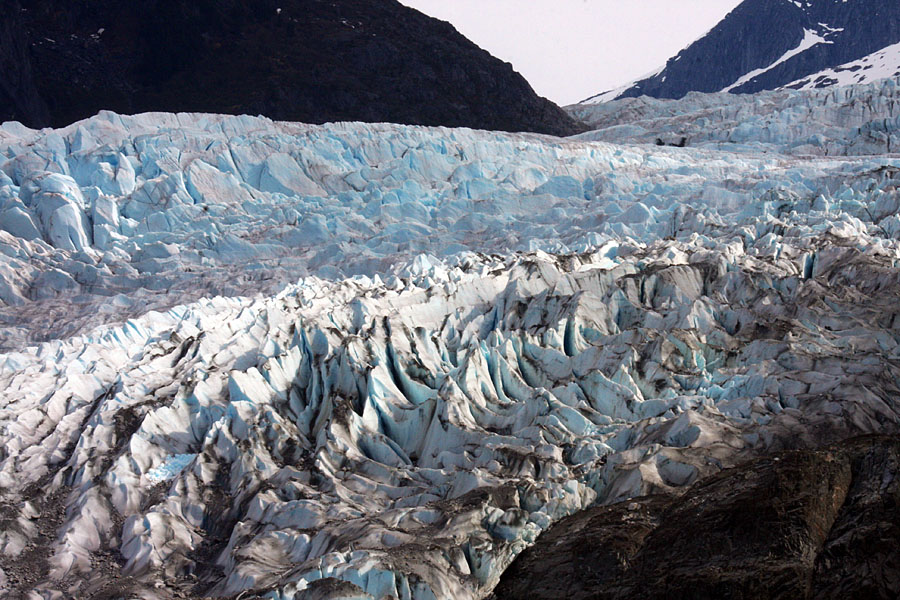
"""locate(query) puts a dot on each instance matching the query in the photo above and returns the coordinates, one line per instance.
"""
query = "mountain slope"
(300, 60)
(879, 65)
(767, 44)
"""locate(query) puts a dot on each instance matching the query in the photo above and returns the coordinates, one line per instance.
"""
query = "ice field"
(350, 360)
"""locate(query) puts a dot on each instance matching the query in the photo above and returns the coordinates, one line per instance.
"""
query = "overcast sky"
(569, 50)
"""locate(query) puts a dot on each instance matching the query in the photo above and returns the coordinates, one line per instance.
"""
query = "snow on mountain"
(261, 359)
(769, 44)
(879, 65)
(810, 38)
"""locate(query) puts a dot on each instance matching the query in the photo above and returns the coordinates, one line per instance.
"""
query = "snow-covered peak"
(769, 44)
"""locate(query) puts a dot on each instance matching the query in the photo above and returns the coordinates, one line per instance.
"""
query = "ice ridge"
(411, 437)
(840, 121)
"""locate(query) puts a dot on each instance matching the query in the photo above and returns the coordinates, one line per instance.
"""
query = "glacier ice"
(117, 215)
(837, 121)
(412, 437)
(378, 361)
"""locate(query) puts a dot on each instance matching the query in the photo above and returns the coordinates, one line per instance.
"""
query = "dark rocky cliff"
(298, 60)
(801, 524)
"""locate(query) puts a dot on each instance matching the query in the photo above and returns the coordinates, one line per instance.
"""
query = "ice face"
(155, 210)
(483, 333)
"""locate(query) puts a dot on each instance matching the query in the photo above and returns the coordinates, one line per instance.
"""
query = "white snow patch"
(810, 39)
(878, 65)
(615, 93)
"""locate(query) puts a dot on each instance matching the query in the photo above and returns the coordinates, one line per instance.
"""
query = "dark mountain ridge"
(743, 50)
(299, 60)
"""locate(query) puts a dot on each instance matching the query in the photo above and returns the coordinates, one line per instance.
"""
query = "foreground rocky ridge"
(801, 524)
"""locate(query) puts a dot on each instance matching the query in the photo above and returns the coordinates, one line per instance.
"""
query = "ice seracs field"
(247, 358)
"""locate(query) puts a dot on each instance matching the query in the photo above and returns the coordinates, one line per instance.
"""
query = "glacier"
(836, 121)
(264, 359)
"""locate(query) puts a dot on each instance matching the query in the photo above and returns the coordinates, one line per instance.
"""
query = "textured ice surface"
(483, 333)
(847, 120)
(115, 215)
(412, 436)
(170, 467)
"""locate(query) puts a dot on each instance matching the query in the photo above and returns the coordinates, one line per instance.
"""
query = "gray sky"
(569, 50)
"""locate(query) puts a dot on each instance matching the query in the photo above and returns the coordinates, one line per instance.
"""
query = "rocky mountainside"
(299, 60)
(884, 63)
(801, 524)
(768, 44)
